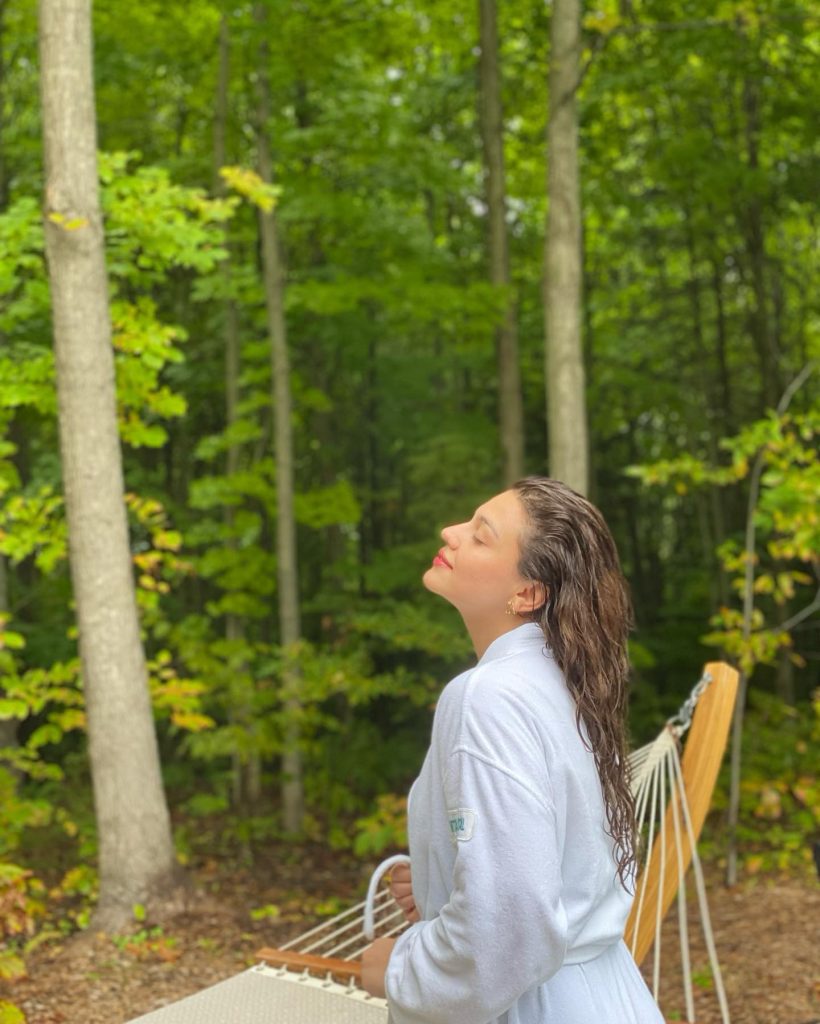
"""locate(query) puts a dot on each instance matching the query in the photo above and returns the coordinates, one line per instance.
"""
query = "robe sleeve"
(504, 927)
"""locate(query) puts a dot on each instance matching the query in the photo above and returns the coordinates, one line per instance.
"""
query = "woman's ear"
(531, 598)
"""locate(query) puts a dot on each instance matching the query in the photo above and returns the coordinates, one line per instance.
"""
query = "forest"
(367, 262)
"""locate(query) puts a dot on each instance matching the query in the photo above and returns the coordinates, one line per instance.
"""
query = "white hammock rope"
(658, 786)
(683, 918)
(703, 904)
(652, 768)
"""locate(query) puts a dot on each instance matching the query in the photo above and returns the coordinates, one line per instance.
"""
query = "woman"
(521, 822)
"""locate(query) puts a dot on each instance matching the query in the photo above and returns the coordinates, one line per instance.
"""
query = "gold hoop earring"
(509, 609)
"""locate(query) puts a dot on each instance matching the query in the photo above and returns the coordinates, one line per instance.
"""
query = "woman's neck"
(482, 634)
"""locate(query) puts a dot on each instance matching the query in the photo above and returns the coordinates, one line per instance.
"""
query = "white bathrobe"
(513, 873)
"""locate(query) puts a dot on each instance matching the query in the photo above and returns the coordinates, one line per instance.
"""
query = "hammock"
(672, 798)
(314, 979)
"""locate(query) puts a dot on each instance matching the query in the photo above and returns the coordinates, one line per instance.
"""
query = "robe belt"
(589, 951)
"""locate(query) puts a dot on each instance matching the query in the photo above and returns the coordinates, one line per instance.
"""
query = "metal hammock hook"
(680, 722)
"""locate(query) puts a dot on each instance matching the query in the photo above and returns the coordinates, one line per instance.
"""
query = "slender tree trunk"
(510, 402)
(566, 401)
(633, 502)
(220, 125)
(736, 752)
(287, 576)
(784, 681)
(724, 376)
(136, 854)
(760, 319)
(243, 769)
(713, 418)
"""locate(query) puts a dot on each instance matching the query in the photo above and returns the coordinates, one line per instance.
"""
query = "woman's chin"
(429, 580)
(432, 580)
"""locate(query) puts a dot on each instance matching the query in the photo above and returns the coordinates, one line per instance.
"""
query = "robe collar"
(523, 638)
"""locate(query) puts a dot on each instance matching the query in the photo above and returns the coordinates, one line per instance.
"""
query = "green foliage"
(28, 381)
(780, 787)
(149, 944)
(407, 626)
(22, 906)
(149, 346)
(33, 525)
(50, 696)
(22, 285)
(21, 903)
(385, 827)
(11, 1014)
(328, 506)
(154, 224)
(249, 185)
(269, 912)
(785, 519)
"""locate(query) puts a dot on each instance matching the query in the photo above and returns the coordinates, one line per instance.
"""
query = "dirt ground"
(767, 934)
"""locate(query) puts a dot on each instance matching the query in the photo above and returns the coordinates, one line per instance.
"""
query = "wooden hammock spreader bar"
(702, 756)
(342, 970)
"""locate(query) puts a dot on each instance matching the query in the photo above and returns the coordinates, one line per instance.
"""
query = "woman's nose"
(449, 536)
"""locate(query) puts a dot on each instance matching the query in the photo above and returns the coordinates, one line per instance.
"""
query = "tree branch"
(795, 385)
(754, 494)
(802, 614)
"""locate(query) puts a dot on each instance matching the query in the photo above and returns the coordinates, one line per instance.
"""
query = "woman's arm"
(503, 930)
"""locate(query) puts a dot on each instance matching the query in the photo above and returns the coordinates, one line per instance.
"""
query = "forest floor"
(766, 930)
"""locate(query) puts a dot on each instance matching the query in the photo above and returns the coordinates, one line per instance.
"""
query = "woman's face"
(477, 569)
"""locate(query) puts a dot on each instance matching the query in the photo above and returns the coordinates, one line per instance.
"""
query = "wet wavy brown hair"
(586, 620)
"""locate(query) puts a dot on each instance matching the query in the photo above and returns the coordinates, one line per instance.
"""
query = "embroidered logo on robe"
(462, 820)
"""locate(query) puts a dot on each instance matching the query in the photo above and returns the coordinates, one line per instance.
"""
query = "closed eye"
(477, 541)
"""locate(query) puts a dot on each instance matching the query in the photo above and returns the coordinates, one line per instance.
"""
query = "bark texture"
(136, 854)
(564, 365)
(287, 569)
(510, 403)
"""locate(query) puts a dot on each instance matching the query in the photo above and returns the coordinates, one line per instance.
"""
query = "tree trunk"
(136, 853)
(287, 577)
(750, 547)
(760, 320)
(238, 712)
(510, 402)
(713, 418)
(220, 125)
(564, 366)
(724, 376)
(784, 680)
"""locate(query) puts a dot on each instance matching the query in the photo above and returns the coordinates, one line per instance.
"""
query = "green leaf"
(13, 709)
(11, 1014)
